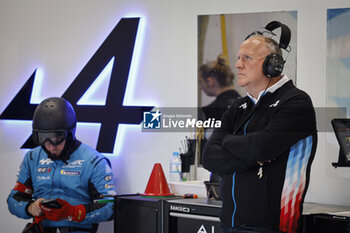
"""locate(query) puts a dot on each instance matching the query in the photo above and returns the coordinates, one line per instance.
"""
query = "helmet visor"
(55, 138)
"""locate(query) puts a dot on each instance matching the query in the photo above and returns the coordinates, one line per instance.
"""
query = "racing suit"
(79, 180)
(264, 154)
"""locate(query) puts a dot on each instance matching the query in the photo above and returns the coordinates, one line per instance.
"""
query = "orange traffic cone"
(157, 185)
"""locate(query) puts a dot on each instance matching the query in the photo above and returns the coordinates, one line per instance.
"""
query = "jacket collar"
(271, 89)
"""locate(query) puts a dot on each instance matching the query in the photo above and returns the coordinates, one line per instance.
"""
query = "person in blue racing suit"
(61, 168)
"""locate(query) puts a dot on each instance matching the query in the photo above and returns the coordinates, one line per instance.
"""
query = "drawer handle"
(193, 216)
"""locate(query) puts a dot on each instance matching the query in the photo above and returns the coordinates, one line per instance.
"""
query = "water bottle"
(175, 167)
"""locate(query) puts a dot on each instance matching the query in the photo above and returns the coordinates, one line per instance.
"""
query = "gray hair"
(271, 44)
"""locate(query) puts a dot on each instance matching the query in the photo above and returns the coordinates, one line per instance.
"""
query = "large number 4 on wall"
(116, 52)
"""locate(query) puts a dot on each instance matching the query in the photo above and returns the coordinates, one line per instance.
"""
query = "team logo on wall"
(118, 49)
(152, 120)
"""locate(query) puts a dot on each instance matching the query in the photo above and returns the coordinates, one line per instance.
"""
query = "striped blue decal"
(294, 184)
(298, 157)
(233, 198)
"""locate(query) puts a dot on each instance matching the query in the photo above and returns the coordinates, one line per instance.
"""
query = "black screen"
(342, 131)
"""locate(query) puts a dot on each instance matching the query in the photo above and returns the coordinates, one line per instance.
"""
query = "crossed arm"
(229, 153)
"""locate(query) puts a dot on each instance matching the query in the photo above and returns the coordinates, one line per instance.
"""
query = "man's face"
(54, 149)
(250, 59)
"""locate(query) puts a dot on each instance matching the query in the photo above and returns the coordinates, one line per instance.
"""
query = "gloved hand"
(67, 211)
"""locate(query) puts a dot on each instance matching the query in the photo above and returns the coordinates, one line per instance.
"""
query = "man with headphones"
(266, 144)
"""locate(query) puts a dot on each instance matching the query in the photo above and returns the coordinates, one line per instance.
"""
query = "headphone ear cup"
(273, 65)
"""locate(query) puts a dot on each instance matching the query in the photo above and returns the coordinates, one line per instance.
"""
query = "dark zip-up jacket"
(277, 137)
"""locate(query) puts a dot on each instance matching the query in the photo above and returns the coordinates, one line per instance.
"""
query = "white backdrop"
(61, 36)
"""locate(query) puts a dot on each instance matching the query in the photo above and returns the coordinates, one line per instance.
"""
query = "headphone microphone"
(274, 62)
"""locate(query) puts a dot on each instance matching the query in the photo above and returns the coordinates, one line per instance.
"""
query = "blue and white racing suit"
(82, 178)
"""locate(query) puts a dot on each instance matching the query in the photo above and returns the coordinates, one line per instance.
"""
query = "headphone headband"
(274, 62)
(254, 34)
(285, 33)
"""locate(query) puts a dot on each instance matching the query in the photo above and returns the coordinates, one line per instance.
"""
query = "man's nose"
(238, 64)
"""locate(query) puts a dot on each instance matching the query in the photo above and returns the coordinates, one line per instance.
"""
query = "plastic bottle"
(175, 167)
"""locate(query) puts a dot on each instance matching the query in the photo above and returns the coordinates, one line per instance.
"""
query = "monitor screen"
(342, 132)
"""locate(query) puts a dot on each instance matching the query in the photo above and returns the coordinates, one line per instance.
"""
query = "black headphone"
(274, 63)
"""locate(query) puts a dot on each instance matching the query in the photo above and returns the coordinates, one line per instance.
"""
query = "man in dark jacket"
(265, 146)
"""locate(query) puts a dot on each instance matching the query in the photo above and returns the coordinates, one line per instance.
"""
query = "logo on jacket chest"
(274, 104)
(74, 164)
(243, 106)
(45, 161)
(41, 178)
(70, 172)
(44, 169)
